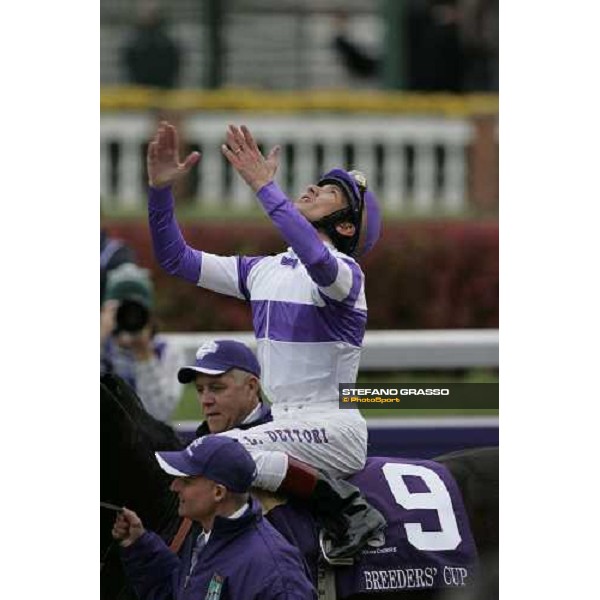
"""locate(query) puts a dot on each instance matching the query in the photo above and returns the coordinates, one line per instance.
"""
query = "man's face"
(198, 497)
(317, 201)
(227, 399)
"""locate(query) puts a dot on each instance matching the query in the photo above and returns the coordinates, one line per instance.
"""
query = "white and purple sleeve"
(227, 274)
(348, 286)
(170, 249)
(338, 279)
(223, 274)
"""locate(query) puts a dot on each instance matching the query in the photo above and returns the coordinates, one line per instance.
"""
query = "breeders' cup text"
(417, 578)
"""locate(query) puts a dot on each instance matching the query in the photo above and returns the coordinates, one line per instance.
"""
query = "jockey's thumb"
(192, 159)
(273, 157)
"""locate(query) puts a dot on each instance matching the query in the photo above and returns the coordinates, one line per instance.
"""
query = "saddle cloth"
(427, 542)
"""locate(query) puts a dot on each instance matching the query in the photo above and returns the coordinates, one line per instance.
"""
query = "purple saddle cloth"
(427, 542)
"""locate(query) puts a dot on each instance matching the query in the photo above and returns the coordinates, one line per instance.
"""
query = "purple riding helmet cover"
(370, 216)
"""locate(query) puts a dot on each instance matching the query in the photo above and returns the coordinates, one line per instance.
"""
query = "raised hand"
(162, 160)
(245, 157)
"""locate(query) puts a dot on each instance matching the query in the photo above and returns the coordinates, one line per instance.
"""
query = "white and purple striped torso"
(309, 337)
(308, 304)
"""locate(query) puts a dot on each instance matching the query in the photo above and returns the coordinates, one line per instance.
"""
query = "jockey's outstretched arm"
(217, 273)
(170, 249)
(336, 277)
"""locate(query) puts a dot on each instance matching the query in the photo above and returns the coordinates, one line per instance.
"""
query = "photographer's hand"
(108, 313)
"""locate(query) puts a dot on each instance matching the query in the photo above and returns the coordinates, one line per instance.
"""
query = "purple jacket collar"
(224, 530)
(224, 527)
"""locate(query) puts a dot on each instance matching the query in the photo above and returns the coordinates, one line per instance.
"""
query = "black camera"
(131, 317)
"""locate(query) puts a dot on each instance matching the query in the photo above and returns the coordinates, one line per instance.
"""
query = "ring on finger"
(237, 150)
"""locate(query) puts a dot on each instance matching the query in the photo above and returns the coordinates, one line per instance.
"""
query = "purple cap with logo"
(216, 457)
(219, 356)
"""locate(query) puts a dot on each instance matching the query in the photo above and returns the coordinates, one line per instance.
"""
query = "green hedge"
(421, 275)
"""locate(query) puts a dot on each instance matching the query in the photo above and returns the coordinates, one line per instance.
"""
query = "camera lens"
(131, 316)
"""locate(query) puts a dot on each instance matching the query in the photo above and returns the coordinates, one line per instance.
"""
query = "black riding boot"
(348, 520)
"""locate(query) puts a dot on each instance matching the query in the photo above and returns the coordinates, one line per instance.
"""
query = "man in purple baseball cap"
(226, 376)
(222, 460)
(232, 549)
(309, 314)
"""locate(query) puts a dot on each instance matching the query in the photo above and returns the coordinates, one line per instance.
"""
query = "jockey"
(309, 316)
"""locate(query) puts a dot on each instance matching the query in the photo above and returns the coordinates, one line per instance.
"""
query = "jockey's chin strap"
(352, 213)
(327, 224)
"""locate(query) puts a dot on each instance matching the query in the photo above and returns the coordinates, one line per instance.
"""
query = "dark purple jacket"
(244, 559)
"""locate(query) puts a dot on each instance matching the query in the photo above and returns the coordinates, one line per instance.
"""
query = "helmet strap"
(353, 213)
(327, 224)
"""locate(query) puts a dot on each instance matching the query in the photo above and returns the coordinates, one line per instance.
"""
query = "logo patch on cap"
(206, 348)
(359, 177)
(193, 445)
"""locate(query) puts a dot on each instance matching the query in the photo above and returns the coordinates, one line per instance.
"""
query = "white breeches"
(333, 441)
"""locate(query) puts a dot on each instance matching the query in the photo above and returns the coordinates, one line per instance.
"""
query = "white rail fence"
(412, 163)
(392, 349)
